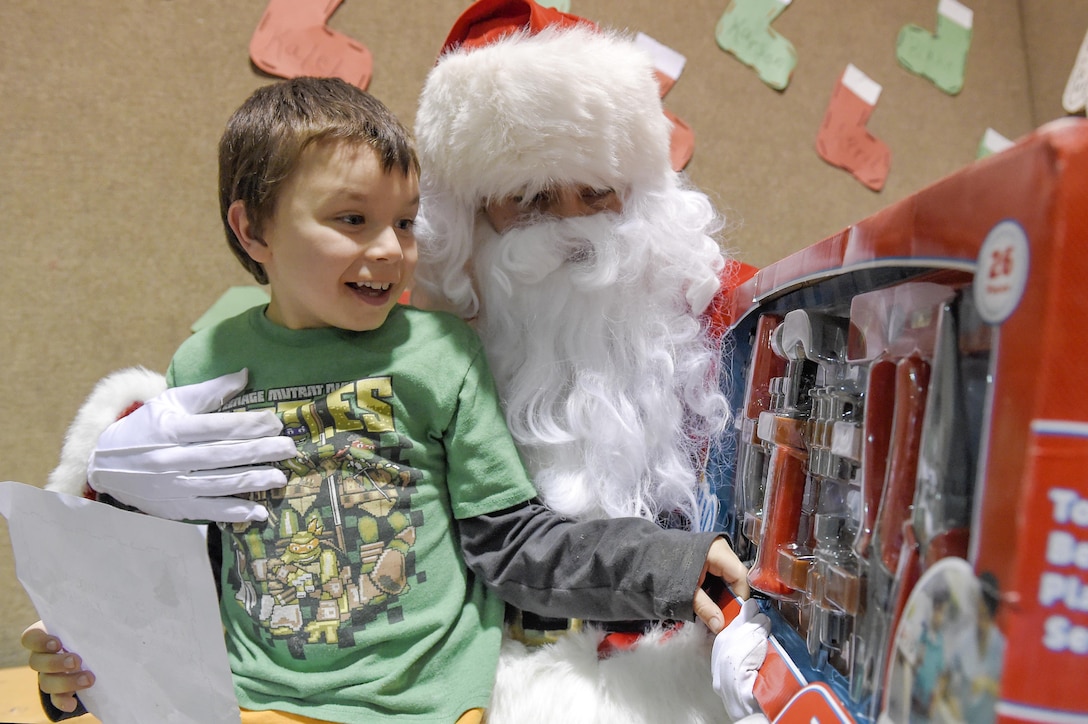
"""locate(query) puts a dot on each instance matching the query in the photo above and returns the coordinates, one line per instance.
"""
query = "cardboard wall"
(110, 111)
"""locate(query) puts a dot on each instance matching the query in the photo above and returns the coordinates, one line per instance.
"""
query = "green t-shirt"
(352, 602)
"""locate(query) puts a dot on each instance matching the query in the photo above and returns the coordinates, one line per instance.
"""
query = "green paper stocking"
(941, 58)
(745, 31)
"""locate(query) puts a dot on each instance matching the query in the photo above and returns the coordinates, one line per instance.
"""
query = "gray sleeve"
(602, 570)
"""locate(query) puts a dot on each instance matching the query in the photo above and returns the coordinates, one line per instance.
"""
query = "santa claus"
(551, 215)
(552, 218)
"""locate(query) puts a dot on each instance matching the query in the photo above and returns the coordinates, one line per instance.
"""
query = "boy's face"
(340, 248)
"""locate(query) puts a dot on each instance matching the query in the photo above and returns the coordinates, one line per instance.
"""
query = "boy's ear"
(239, 223)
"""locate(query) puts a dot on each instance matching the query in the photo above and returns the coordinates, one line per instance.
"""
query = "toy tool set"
(908, 473)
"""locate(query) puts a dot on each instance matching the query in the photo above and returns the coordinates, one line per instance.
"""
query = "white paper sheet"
(134, 596)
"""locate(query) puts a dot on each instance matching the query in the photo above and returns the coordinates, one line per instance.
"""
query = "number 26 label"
(1002, 272)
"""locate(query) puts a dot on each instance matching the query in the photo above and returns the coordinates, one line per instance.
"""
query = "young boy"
(362, 596)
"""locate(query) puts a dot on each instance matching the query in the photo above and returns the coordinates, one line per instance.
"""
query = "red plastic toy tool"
(911, 388)
(880, 401)
(292, 40)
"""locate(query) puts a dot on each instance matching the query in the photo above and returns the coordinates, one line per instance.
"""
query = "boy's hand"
(176, 458)
(60, 672)
(722, 562)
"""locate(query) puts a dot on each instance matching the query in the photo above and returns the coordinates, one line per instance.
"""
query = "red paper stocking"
(668, 64)
(843, 139)
(292, 39)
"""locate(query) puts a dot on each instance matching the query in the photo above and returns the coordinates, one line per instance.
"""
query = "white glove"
(739, 650)
(174, 457)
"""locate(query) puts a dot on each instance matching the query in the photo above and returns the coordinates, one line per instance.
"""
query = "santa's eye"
(543, 198)
(539, 200)
(597, 197)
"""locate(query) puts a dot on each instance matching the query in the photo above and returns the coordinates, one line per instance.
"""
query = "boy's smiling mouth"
(372, 286)
(372, 290)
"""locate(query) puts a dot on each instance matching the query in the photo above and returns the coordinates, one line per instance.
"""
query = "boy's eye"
(353, 219)
(406, 224)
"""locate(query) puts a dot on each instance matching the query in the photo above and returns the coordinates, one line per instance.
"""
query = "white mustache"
(529, 254)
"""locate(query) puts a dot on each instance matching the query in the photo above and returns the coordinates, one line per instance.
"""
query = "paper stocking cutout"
(682, 142)
(292, 40)
(745, 31)
(942, 57)
(992, 142)
(1075, 96)
(843, 139)
(668, 65)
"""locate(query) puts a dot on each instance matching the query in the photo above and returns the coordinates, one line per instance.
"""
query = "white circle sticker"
(1002, 272)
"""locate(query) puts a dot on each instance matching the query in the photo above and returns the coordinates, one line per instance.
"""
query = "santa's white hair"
(523, 114)
(531, 111)
(593, 325)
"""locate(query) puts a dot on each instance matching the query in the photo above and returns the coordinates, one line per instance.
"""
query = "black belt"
(533, 629)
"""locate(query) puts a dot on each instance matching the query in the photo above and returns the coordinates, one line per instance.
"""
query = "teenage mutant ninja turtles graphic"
(336, 550)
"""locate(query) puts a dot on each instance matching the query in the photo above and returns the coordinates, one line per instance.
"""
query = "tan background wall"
(110, 111)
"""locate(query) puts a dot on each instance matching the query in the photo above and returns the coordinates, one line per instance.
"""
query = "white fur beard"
(605, 371)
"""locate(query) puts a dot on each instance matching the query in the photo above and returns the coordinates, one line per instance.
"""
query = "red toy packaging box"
(909, 473)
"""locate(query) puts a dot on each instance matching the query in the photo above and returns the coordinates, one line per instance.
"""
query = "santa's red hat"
(524, 97)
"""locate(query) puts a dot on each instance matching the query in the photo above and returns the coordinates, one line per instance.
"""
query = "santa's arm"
(167, 452)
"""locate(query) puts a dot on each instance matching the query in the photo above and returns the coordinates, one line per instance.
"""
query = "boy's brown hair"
(266, 136)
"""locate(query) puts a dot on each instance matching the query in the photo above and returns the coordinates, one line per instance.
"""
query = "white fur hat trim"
(567, 105)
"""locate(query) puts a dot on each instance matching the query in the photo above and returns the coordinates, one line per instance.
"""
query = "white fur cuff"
(113, 394)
